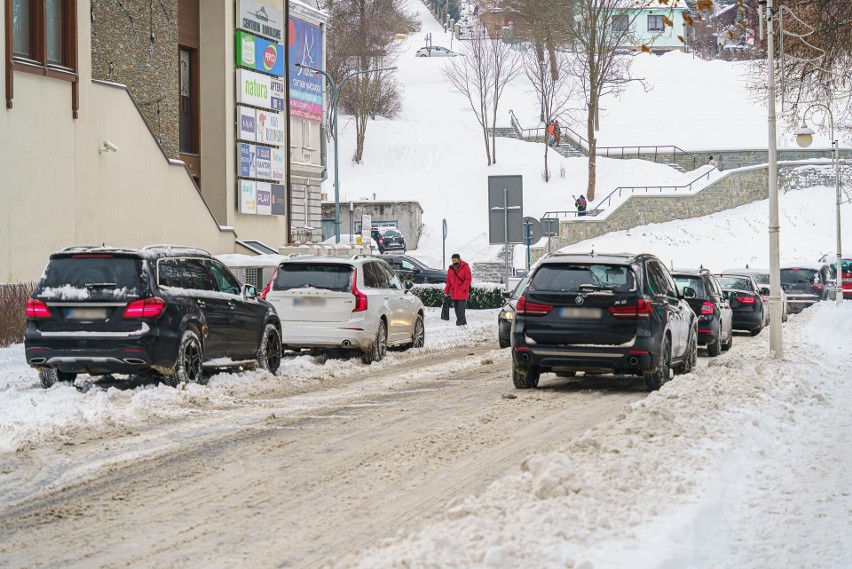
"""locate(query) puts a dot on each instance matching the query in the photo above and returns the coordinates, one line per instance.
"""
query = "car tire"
(714, 348)
(269, 352)
(525, 377)
(380, 345)
(691, 357)
(418, 335)
(49, 377)
(190, 357)
(727, 345)
(503, 342)
(655, 380)
(756, 331)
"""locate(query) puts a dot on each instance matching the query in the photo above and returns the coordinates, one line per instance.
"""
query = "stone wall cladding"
(122, 35)
(732, 190)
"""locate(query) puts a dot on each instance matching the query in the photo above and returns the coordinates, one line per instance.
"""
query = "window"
(303, 275)
(620, 23)
(658, 279)
(374, 276)
(655, 24)
(44, 42)
(225, 281)
(196, 276)
(169, 273)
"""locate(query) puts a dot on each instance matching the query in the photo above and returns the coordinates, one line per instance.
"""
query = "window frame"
(38, 63)
(658, 20)
(622, 19)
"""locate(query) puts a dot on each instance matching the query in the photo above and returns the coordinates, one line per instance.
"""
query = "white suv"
(351, 303)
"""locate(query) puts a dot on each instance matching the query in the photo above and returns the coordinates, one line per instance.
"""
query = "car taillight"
(642, 309)
(818, 287)
(707, 308)
(360, 297)
(37, 309)
(531, 308)
(745, 299)
(145, 308)
(381, 240)
(266, 290)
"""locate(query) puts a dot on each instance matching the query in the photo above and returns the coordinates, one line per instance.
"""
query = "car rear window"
(314, 275)
(798, 276)
(570, 277)
(695, 283)
(738, 283)
(81, 277)
(392, 233)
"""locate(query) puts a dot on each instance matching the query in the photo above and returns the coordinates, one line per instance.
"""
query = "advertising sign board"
(248, 163)
(305, 86)
(264, 198)
(366, 226)
(246, 126)
(270, 128)
(248, 196)
(260, 19)
(259, 54)
(278, 197)
(264, 162)
(277, 164)
(254, 88)
(277, 94)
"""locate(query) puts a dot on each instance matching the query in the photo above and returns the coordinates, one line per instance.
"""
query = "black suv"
(420, 273)
(388, 239)
(159, 310)
(715, 318)
(617, 313)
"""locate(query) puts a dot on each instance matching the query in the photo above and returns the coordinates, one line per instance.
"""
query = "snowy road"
(291, 477)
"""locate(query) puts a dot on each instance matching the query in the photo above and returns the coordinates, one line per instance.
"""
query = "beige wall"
(57, 190)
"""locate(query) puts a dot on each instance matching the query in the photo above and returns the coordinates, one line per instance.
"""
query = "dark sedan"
(507, 313)
(420, 272)
(388, 239)
(750, 308)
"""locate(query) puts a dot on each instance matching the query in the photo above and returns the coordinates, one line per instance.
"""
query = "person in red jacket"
(458, 287)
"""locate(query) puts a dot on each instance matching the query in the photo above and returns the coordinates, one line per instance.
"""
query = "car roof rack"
(177, 247)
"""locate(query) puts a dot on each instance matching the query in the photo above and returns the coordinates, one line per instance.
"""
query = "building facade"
(122, 125)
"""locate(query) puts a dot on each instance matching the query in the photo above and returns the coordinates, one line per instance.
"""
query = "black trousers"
(459, 306)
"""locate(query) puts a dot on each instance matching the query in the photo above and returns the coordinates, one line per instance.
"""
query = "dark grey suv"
(166, 311)
(599, 313)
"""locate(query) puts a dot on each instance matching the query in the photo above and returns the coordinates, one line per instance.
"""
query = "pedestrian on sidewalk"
(550, 132)
(557, 132)
(458, 287)
(580, 204)
(712, 162)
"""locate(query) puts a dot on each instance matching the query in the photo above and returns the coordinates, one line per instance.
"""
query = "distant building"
(133, 123)
(646, 22)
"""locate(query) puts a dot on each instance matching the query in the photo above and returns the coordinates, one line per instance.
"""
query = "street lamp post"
(335, 96)
(804, 138)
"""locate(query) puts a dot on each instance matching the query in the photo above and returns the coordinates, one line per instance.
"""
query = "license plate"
(85, 314)
(306, 302)
(582, 313)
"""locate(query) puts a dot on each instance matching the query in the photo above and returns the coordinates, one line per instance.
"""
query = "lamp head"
(804, 136)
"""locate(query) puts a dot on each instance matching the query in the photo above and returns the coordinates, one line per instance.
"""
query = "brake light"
(360, 297)
(707, 308)
(381, 240)
(745, 299)
(817, 287)
(642, 309)
(145, 308)
(266, 290)
(37, 309)
(531, 308)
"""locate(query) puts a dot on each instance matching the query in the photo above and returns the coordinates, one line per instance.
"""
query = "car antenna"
(746, 265)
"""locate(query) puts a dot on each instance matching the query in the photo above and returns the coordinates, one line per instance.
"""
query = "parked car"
(751, 308)
(435, 51)
(388, 239)
(846, 265)
(761, 279)
(715, 317)
(807, 283)
(420, 272)
(617, 313)
(169, 311)
(507, 312)
(355, 303)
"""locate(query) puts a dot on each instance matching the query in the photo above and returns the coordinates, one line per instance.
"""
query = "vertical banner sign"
(277, 94)
(248, 166)
(246, 124)
(264, 163)
(261, 20)
(248, 196)
(264, 198)
(305, 86)
(366, 226)
(278, 203)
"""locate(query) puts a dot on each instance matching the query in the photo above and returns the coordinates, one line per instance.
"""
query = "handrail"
(608, 199)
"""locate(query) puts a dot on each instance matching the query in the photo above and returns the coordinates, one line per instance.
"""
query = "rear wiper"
(591, 287)
(90, 286)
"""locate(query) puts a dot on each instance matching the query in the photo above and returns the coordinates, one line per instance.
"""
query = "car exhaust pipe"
(134, 361)
(38, 360)
(525, 357)
(633, 360)
(346, 343)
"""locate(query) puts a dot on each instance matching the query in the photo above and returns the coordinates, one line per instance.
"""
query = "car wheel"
(727, 345)
(188, 367)
(51, 376)
(654, 381)
(715, 346)
(380, 345)
(418, 336)
(756, 331)
(269, 352)
(691, 354)
(504, 342)
(525, 377)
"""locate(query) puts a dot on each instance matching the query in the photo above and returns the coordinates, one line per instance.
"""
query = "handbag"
(445, 308)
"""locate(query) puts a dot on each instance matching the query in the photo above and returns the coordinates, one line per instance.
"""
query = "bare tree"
(481, 76)
(599, 29)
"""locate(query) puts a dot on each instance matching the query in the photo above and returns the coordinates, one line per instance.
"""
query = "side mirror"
(764, 290)
(249, 291)
(689, 292)
(409, 285)
(506, 294)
